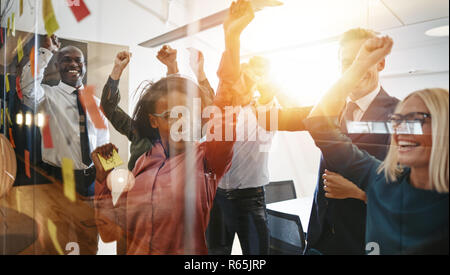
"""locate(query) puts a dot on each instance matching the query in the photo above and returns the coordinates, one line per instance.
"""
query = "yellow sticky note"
(112, 162)
(69, 179)
(53, 232)
(51, 24)
(7, 83)
(13, 24)
(19, 50)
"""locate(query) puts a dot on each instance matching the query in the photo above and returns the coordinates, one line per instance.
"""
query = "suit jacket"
(338, 226)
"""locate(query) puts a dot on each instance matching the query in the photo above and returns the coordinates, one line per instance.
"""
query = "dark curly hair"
(150, 96)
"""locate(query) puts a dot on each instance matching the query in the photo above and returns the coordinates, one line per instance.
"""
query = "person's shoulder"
(385, 96)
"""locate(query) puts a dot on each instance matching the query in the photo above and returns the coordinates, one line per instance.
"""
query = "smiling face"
(164, 124)
(349, 52)
(414, 150)
(71, 66)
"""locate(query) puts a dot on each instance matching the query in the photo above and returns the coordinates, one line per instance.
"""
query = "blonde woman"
(407, 194)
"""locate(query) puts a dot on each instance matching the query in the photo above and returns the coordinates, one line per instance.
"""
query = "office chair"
(286, 234)
(280, 191)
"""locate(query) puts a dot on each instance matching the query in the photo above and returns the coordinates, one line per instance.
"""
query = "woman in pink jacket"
(153, 214)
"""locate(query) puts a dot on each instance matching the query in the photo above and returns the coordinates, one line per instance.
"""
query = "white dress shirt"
(364, 103)
(60, 103)
(249, 168)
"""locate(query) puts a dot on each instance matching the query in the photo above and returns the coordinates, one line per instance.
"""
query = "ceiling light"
(438, 32)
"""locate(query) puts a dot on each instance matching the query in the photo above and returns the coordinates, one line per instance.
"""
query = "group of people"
(193, 197)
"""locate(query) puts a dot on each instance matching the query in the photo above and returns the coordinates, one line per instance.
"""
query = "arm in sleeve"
(34, 94)
(340, 155)
(110, 105)
(289, 119)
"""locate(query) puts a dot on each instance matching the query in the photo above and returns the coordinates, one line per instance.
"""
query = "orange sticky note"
(69, 179)
(11, 138)
(89, 104)
(51, 24)
(19, 50)
(47, 134)
(18, 88)
(32, 63)
(27, 164)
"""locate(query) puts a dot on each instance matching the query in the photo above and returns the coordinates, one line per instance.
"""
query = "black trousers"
(242, 212)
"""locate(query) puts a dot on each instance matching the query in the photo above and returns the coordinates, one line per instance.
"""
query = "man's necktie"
(84, 138)
(348, 115)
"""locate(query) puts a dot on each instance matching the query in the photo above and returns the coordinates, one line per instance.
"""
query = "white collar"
(365, 101)
(67, 88)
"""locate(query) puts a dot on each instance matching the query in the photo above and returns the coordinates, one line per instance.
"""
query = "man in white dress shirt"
(72, 130)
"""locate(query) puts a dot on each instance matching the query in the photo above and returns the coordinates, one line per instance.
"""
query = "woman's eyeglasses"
(411, 123)
(166, 116)
(416, 117)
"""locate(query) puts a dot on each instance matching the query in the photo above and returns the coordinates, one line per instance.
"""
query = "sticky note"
(51, 24)
(19, 50)
(112, 162)
(27, 164)
(89, 104)
(8, 87)
(13, 24)
(11, 138)
(32, 63)
(80, 11)
(53, 232)
(18, 88)
(21, 8)
(47, 134)
(8, 31)
(68, 179)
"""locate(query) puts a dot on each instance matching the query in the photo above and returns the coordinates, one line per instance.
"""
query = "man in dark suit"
(337, 226)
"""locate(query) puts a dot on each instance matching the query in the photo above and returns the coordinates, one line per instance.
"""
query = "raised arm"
(340, 155)
(111, 97)
(372, 52)
(34, 94)
(219, 153)
(197, 63)
(168, 57)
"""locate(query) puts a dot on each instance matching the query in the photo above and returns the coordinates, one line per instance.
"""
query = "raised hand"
(106, 151)
(197, 63)
(120, 63)
(51, 43)
(338, 187)
(373, 52)
(168, 57)
(241, 13)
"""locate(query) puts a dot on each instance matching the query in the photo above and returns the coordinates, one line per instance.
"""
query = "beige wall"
(100, 62)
